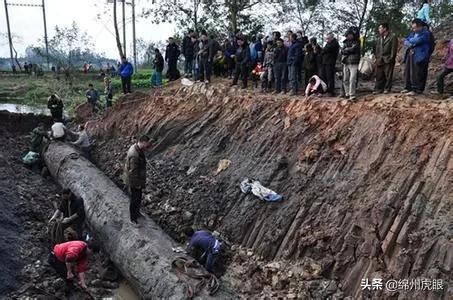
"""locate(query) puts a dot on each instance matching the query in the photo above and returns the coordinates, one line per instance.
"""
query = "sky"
(27, 23)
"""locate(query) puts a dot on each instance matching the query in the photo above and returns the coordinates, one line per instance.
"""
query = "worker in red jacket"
(70, 259)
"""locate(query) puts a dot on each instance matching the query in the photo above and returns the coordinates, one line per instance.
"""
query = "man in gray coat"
(386, 50)
(135, 174)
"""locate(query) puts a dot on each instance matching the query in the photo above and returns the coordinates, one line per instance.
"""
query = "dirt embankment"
(367, 186)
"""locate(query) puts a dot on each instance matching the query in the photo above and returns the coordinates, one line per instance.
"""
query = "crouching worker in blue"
(204, 247)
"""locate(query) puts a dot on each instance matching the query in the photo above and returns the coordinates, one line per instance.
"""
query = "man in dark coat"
(171, 57)
(206, 54)
(386, 50)
(293, 62)
(55, 105)
(158, 66)
(242, 57)
(135, 175)
(188, 52)
(71, 212)
(279, 67)
(329, 56)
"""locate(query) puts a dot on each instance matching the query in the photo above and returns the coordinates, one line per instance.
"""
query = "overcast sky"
(27, 23)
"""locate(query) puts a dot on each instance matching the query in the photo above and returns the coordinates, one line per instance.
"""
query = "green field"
(34, 91)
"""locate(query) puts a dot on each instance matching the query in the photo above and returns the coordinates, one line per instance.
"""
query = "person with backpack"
(386, 51)
(350, 57)
(416, 58)
(171, 57)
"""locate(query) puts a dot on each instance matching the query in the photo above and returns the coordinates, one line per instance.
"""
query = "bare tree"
(117, 33)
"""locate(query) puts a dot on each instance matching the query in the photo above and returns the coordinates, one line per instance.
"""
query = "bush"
(136, 83)
(142, 74)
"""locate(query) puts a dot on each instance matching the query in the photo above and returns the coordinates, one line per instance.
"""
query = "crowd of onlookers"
(285, 63)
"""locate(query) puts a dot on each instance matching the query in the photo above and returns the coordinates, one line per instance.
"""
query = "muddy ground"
(25, 207)
(366, 185)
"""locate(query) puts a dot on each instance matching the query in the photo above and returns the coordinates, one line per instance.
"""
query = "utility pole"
(124, 26)
(133, 35)
(9, 35)
(45, 32)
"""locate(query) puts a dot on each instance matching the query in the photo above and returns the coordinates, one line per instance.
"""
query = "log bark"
(143, 255)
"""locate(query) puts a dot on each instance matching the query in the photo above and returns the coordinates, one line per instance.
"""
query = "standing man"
(171, 57)
(206, 55)
(386, 50)
(71, 212)
(329, 56)
(416, 58)
(350, 57)
(447, 69)
(126, 70)
(55, 105)
(188, 52)
(92, 97)
(280, 58)
(135, 175)
(293, 61)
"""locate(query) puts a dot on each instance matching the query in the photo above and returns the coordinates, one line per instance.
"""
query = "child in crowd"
(257, 74)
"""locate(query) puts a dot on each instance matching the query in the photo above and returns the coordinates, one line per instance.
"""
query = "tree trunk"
(117, 33)
(143, 255)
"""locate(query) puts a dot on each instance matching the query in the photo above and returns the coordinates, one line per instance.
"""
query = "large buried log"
(144, 254)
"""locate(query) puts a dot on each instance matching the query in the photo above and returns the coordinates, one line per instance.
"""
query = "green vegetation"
(34, 91)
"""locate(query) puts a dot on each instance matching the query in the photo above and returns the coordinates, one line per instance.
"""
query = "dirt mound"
(367, 185)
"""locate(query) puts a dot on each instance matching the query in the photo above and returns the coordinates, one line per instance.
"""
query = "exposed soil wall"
(367, 186)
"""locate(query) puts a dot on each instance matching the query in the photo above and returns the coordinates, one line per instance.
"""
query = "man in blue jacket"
(204, 247)
(293, 61)
(417, 53)
(126, 70)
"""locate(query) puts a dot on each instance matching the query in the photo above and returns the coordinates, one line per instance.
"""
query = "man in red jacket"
(71, 258)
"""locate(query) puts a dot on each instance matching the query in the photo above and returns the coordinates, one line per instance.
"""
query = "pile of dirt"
(26, 205)
(366, 184)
